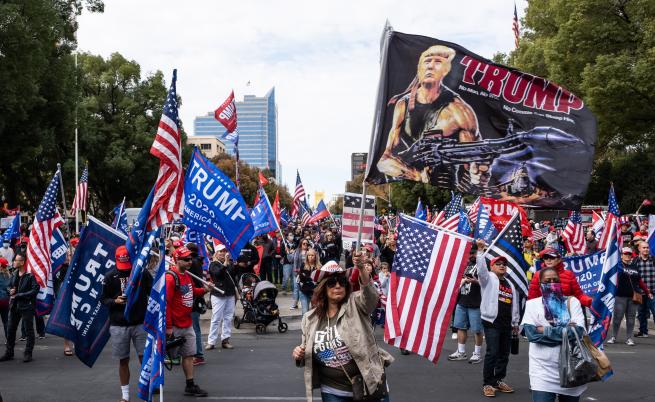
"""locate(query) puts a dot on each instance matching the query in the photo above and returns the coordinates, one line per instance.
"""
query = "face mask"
(123, 274)
(554, 302)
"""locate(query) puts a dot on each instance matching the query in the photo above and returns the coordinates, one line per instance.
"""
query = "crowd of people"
(341, 292)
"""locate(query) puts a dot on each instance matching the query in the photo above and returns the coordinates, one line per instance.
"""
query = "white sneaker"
(630, 342)
(475, 358)
(611, 341)
(457, 356)
(454, 335)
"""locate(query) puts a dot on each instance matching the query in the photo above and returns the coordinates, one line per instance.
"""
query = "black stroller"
(258, 301)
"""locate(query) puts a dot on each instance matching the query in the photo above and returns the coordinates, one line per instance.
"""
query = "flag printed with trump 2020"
(423, 288)
(214, 206)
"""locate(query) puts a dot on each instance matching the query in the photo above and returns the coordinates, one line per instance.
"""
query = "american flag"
(298, 196)
(167, 204)
(612, 219)
(515, 28)
(79, 203)
(510, 245)
(423, 287)
(598, 223)
(473, 210)
(451, 209)
(540, 234)
(46, 221)
(573, 234)
(305, 216)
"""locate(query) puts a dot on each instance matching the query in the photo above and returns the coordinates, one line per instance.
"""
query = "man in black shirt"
(23, 289)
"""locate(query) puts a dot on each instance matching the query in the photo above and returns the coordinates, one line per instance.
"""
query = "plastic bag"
(576, 364)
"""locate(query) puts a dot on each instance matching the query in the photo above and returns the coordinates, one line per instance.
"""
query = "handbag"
(604, 370)
(637, 297)
(360, 392)
(576, 365)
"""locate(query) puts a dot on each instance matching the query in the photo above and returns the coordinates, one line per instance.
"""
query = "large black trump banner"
(451, 118)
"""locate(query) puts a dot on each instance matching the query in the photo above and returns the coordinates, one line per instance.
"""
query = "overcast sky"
(322, 57)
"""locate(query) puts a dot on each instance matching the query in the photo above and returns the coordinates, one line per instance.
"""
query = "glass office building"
(257, 125)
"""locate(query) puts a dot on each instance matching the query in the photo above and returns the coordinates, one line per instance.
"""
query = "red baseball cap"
(122, 259)
(178, 243)
(181, 252)
(499, 258)
(75, 241)
(3, 262)
(551, 252)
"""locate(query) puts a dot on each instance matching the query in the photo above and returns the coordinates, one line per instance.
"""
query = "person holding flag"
(180, 292)
(499, 310)
(122, 331)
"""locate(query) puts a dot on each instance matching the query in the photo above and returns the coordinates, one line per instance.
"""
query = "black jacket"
(223, 278)
(112, 289)
(26, 290)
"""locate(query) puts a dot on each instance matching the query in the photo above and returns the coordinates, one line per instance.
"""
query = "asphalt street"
(260, 369)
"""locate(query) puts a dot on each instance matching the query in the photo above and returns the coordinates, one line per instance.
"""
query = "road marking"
(618, 352)
(260, 398)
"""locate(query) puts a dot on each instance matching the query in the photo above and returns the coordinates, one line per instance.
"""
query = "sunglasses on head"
(333, 280)
(550, 280)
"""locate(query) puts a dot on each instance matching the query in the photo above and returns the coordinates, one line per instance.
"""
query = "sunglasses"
(551, 280)
(502, 263)
(550, 257)
(333, 280)
(187, 259)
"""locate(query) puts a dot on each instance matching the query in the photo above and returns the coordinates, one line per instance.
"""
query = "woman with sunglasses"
(552, 258)
(543, 321)
(338, 342)
(298, 260)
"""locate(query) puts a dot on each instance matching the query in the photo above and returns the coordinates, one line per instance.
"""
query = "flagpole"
(236, 170)
(63, 199)
(493, 243)
(77, 223)
(361, 216)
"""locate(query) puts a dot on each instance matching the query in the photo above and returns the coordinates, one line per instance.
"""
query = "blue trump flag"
(420, 211)
(263, 218)
(78, 314)
(284, 218)
(13, 231)
(152, 368)
(133, 286)
(120, 218)
(484, 228)
(214, 206)
(45, 299)
(602, 306)
(463, 226)
(138, 233)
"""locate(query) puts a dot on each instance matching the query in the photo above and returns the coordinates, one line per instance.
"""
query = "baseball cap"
(122, 259)
(220, 247)
(178, 243)
(3, 262)
(626, 250)
(551, 252)
(75, 241)
(331, 267)
(499, 258)
(181, 252)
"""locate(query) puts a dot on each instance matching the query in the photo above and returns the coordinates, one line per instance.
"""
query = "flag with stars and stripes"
(167, 203)
(573, 234)
(445, 217)
(509, 244)
(540, 234)
(612, 219)
(47, 219)
(423, 287)
(79, 203)
(298, 196)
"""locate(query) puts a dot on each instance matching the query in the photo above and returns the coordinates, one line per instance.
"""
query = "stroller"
(258, 301)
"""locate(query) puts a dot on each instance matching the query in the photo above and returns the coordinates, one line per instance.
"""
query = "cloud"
(322, 58)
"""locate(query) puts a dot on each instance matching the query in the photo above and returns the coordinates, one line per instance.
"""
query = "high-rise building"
(357, 164)
(257, 125)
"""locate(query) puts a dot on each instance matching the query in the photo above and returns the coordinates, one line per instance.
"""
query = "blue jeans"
(296, 287)
(287, 277)
(543, 396)
(497, 355)
(334, 398)
(643, 311)
(304, 302)
(196, 328)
